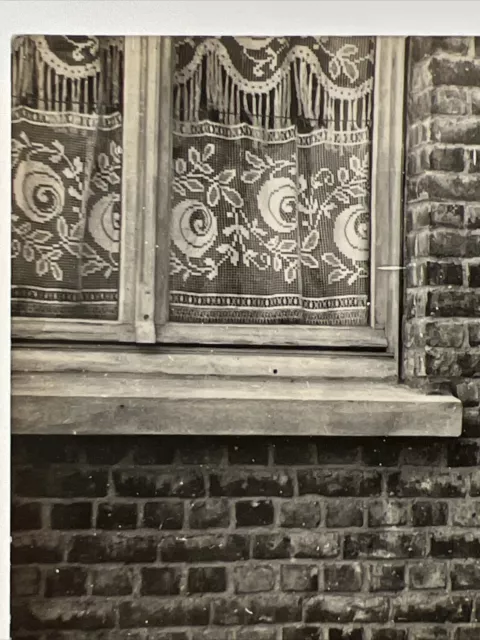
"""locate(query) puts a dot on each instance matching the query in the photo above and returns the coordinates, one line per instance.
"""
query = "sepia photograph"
(245, 330)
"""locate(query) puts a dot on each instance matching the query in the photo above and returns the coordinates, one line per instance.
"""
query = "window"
(235, 202)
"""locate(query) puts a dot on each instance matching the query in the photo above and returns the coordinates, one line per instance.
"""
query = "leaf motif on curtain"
(66, 176)
(271, 187)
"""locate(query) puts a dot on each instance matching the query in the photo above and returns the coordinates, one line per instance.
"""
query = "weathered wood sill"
(128, 403)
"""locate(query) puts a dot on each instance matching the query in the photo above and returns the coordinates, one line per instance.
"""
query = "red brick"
(419, 104)
(428, 575)
(438, 609)
(196, 451)
(453, 302)
(474, 333)
(449, 186)
(205, 548)
(164, 515)
(290, 451)
(160, 581)
(466, 576)
(25, 581)
(447, 214)
(253, 578)
(435, 273)
(26, 516)
(163, 613)
(339, 483)
(304, 632)
(468, 392)
(302, 577)
(462, 73)
(388, 513)
(258, 609)
(150, 450)
(310, 544)
(472, 216)
(448, 334)
(206, 580)
(452, 545)
(248, 451)
(387, 577)
(254, 513)
(116, 516)
(444, 243)
(449, 101)
(246, 482)
(465, 514)
(454, 45)
(210, 514)
(301, 513)
(411, 483)
(442, 363)
(140, 483)
(59, 482)
(384, 545)
(344, 610)
(37, 549)
(447, 159)
(464, 453)
(47, 614)
(112, 547)
(429, 633)
(65, 581)
(341, 514)
(456, 130)
(343, 577)
(467, 633)
(111, 582)
(389, 634)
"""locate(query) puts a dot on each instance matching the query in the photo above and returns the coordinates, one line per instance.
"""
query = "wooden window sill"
(134, 404)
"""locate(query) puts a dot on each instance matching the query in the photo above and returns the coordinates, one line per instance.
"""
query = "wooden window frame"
(386, 203)
(143, 290)
(194, 379)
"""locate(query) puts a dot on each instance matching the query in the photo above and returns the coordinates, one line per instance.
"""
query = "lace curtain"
(271, 178)
(271, 187)
(66, 176)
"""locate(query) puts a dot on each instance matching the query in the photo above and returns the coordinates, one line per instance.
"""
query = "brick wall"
(442, 222)
(288, 539)
(300, 539)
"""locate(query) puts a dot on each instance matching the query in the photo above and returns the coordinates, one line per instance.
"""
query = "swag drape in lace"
(66, 176)
(270, 211)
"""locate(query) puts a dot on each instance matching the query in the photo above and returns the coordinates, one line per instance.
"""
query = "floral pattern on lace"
(66, 214)
(253, 225)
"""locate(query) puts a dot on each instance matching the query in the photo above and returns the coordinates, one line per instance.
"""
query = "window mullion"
(144, 64)
(164, 181)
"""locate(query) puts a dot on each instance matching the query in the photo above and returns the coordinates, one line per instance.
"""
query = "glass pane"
(271, 188)
(67, 95)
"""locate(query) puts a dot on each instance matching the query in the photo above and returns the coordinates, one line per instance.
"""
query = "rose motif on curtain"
(277, 200)
(351, 233)
(194, 228)
(38, 191)
(104, 223)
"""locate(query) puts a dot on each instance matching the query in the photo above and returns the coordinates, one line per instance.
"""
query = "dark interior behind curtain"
(67, 103)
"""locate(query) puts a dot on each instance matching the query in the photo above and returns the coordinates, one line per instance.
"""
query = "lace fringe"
(273, 107)
(42, 87)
